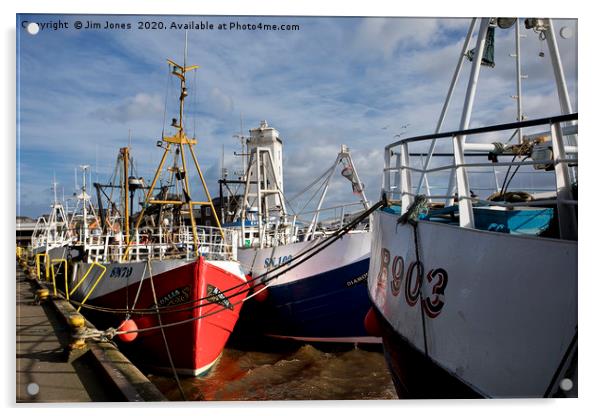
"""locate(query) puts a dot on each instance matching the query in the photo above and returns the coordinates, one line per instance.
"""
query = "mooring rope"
(173, 368)
(421, 277)
(411, 216)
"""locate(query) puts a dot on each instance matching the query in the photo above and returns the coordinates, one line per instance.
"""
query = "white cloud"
(386, 35)
(336, 81)
(222, 101)
(140, 106)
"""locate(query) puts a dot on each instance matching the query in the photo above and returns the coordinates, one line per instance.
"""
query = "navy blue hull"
(328, 307)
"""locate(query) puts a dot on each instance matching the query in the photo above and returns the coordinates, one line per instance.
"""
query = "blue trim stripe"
(327, 305)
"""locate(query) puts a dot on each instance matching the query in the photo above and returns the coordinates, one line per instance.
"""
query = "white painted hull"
(504, 319)
(323, 299)
(349, 249)
(118, 276)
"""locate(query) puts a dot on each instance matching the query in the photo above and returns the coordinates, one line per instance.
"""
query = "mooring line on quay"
(117, 373)
(287, 266)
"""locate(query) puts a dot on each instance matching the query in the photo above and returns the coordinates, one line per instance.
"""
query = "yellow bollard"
(77, 344)
(78, 323)
(42, 295)
(76, 320)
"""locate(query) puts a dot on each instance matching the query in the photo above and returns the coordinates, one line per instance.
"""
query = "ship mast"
(84, 197)
(125, 154)
(181, 142)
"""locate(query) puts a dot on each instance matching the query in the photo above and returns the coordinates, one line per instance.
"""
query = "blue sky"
(335, 81)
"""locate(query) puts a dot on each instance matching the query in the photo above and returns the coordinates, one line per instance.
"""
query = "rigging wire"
(512, 176)
(173, 368)
(506, 175)
(326, 172)
(522, 148)
(194, 101)
(166, 95)
(290, 205)
(323, 184)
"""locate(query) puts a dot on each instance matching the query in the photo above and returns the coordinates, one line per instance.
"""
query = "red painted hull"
(196, 344)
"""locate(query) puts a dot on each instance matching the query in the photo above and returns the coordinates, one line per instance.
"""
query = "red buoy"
(371, 323)
(261, 292)
(128, 325)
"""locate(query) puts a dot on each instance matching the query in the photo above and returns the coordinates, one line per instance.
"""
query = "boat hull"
(324, 299)
(495, 315)
(196, 332)
(414, 375)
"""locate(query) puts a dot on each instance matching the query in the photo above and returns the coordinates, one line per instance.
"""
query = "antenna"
(54, 183)
(84, 168)
(84, 201)
(242, 143)
(222, 162)
(240, 136)
(96, 156)
(185, 46)
(519, 77)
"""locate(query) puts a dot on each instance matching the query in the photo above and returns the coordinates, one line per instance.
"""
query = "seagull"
(405, 126)
(385, 128)
(399, 135)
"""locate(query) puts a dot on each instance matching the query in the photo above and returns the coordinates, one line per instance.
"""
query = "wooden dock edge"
(115, 368)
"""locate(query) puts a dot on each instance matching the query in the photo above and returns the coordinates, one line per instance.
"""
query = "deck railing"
(401, 164)
(160, 243)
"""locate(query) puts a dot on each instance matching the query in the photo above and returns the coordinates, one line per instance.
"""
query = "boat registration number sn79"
(121, 272)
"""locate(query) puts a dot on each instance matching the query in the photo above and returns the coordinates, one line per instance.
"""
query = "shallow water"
(276, 370)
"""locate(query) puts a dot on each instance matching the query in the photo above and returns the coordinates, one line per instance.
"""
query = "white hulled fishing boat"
(52, 232)
(322, 299)
(477, 296)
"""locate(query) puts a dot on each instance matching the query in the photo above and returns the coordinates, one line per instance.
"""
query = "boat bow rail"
(551, 154)
(54, 232)
(159, 244)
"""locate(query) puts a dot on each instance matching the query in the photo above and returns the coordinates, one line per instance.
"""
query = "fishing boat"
(170, 287)
(476, 296)
(55, 233)
(324, 298)
(52, 232)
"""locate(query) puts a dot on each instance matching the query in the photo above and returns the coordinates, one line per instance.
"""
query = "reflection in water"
(288, 371)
